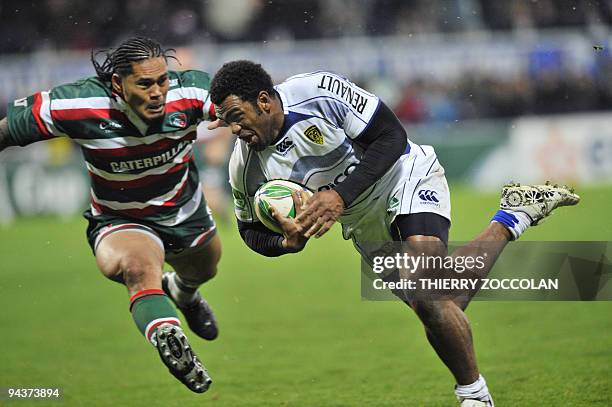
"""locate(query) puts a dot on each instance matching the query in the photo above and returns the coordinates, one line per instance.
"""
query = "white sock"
(515, 221)
(183, 293)
(475, 391)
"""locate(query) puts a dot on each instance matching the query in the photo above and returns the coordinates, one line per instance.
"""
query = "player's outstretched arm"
(5, 139)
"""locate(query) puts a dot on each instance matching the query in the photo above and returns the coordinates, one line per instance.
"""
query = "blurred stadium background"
(504, 90)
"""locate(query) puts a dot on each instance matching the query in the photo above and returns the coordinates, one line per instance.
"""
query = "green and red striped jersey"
(137, 171)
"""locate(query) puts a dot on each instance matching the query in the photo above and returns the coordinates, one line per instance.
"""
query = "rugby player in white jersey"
(135, 123)
(320, 130)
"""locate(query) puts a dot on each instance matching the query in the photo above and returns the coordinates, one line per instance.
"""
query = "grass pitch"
(294, 331)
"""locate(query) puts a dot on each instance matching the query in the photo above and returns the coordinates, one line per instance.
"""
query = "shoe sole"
(177, 355)
(514, 197)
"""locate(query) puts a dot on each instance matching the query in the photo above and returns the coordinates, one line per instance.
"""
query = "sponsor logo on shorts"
(314, 134)
(429, 197)
(178, 119)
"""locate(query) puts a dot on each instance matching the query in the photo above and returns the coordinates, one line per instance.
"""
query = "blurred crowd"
(481, 97)
(28, 25)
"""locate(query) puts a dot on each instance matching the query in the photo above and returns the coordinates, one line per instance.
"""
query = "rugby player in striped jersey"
(135, 123)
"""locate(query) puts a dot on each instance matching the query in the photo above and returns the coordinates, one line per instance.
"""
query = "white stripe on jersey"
(183, 213)
(191, 93)
(129, 141)
(158, 201)
(45, 115)
(186, 93)
(111, 176)
(97, 102)
(186, 210)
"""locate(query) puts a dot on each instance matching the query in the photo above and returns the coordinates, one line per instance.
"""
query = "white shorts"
(415, 184)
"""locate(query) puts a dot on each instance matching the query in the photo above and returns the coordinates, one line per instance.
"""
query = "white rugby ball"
(276, 194)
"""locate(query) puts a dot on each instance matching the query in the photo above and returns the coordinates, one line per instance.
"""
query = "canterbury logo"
(284, 146)
(428, 195)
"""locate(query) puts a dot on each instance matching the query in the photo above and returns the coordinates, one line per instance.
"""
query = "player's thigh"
(130, 255)
(421, 229)
(198, 264)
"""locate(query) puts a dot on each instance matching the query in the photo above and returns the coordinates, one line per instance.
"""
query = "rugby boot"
(182, 362)
(536, 201)
(198, 313)
(475, 403)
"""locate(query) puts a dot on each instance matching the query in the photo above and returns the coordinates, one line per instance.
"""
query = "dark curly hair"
(244, 79)
(119, 60)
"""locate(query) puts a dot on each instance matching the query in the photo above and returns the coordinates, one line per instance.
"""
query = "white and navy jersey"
(324, 113)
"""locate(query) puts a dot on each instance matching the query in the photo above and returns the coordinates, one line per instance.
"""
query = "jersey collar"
(131, 115)
(283, 99)
(284, 127)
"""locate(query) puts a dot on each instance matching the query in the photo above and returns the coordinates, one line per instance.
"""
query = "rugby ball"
(276, 194)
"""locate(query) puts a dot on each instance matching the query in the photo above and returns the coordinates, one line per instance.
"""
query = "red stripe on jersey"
(212, 113)
(160, 145)
(140, 213)
(184, 104)
(88, 114)
(36, 113)
(141, 182)
(172, 201)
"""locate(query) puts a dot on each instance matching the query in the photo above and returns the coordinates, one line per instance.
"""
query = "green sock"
(151, 308)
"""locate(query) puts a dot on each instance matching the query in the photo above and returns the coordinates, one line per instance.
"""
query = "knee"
(204, 273)
(135, 269)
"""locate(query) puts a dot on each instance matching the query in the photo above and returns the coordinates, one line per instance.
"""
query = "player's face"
(254, 124)
(145, 89)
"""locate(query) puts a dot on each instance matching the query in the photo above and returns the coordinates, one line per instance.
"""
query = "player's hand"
(215, 124)
(321, 212)
(295, 240)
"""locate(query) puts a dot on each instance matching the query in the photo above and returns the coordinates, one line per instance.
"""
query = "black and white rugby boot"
(182, 362)
(198, 314)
